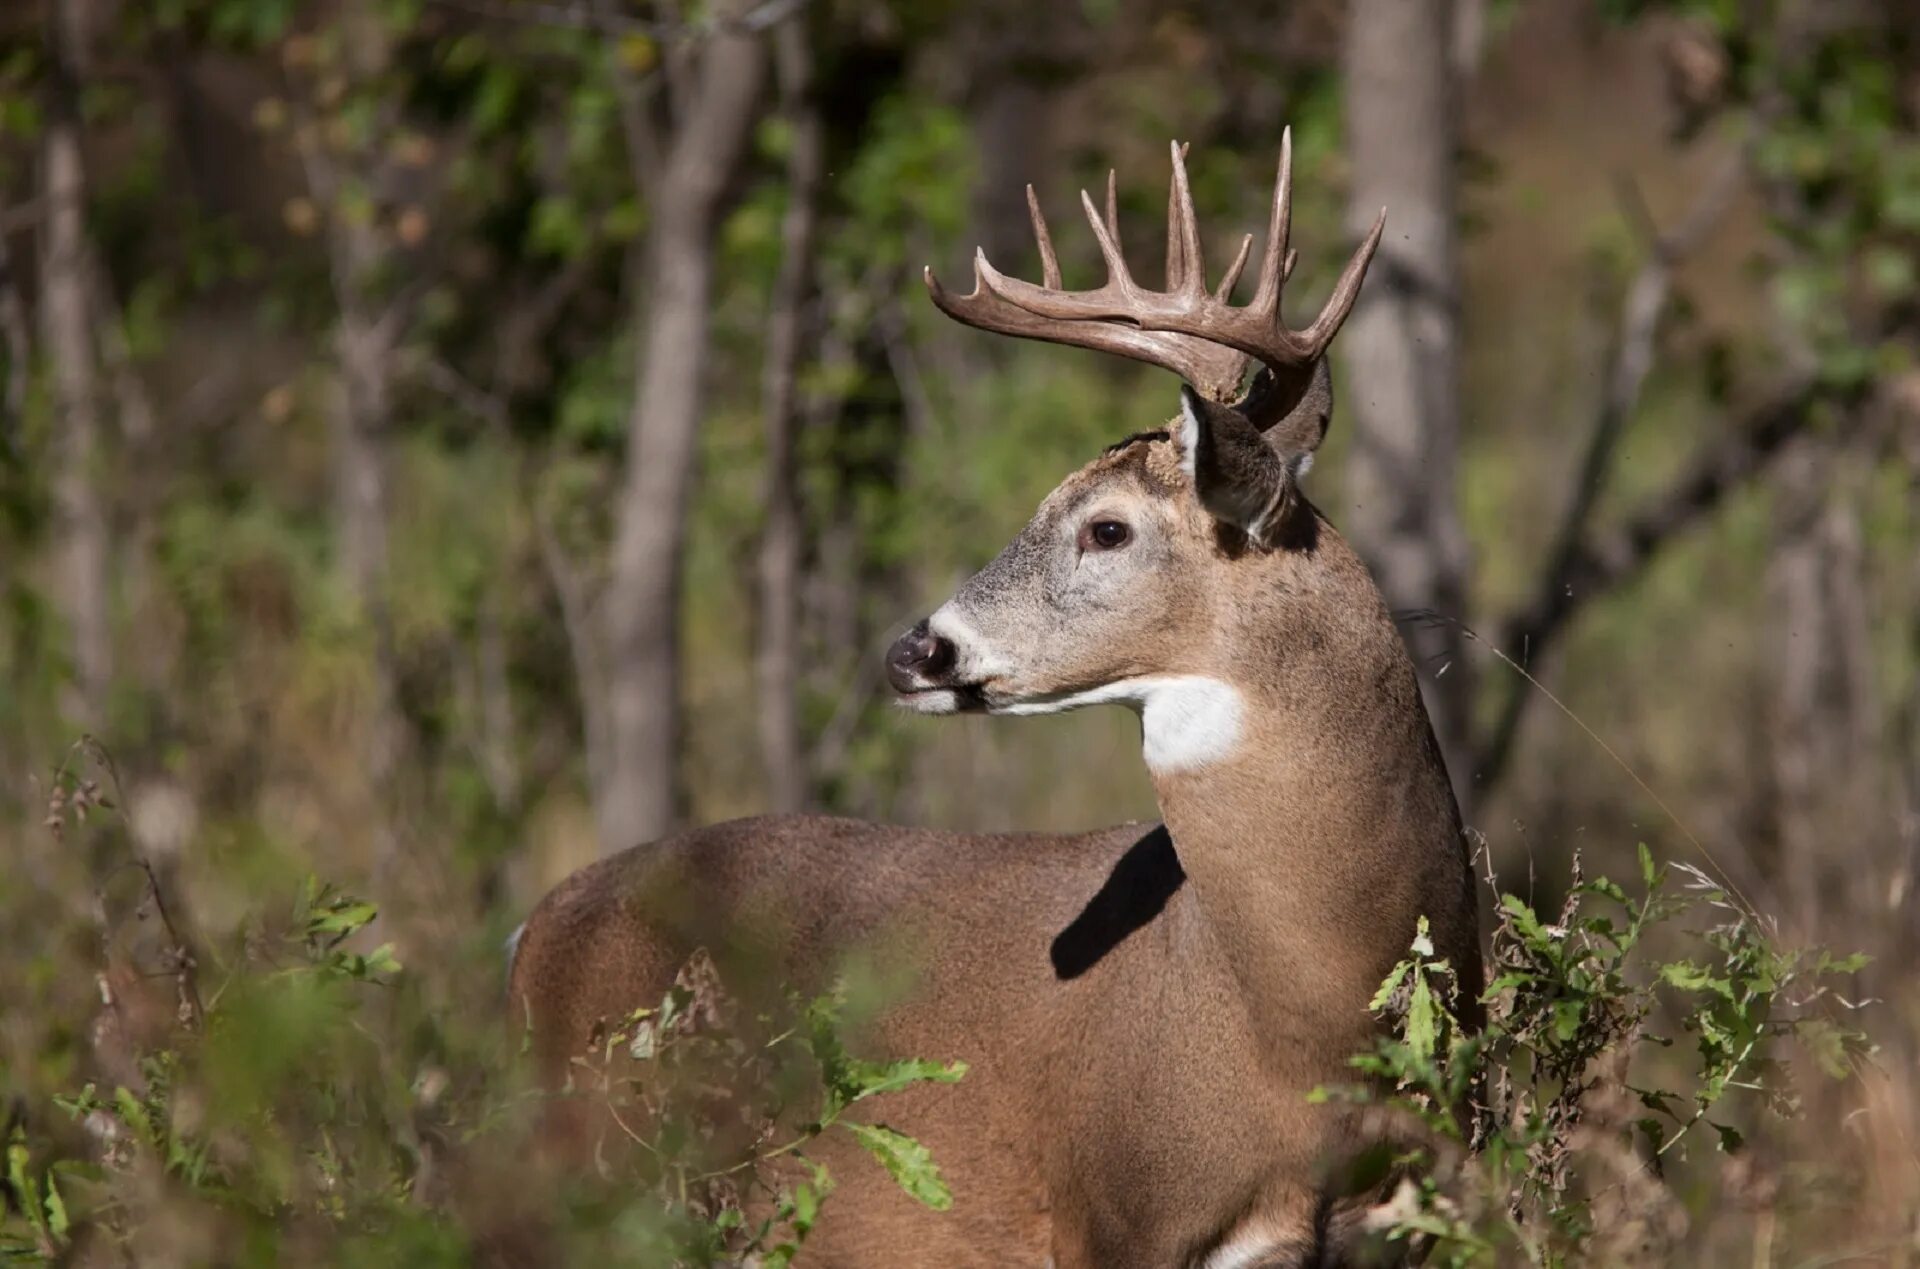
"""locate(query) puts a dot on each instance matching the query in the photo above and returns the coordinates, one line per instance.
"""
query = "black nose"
(916, 657)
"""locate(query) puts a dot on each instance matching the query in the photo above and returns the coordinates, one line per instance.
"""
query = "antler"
(1199, 335)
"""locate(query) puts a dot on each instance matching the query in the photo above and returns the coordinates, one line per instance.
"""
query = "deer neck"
(1311, 813)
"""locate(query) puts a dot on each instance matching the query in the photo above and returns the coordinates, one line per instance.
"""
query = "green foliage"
(723, 1109)
(45, 1227)
(276, 1123)
(310, 1109)
(1834, 148)
(1525, 1122)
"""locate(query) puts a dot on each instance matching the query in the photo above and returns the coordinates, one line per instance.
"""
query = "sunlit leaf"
(909, 1163)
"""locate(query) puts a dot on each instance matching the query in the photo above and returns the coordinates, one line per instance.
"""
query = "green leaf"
(25, 1191)
(1690, 977)
(1829, 964)
(872, 1079)
(1567, 1017)
(909, 1163)
(1389, 985)
(1422, 1026)
(1601, 886)
(134, 1114)
(806, 1207)
(345, 917)
(57, 1219)
(1506, 982)
(1524, 919)
(1649, 873)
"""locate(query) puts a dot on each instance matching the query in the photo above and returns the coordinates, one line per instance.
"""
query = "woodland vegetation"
(442, 441)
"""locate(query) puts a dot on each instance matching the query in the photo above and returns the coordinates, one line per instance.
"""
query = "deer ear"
(1298, 433)
(1241, 479)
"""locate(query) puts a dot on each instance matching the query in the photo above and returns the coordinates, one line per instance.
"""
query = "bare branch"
(1601, 562)
(1630, 362)
(637, 127)
(463, 392)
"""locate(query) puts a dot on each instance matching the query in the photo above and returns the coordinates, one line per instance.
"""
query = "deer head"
(1144, 575)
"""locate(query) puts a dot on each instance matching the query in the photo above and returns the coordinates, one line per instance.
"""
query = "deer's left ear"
(1299, 432)
(1242, 479)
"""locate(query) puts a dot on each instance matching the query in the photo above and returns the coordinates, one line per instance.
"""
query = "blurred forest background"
(442, 441)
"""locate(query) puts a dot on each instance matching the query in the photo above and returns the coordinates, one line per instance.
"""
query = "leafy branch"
(1522, 1118)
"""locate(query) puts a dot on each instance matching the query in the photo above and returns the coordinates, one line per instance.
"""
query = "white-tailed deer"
(1144, 1008)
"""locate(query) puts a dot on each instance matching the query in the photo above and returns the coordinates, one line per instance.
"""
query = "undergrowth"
(304, 1111)
(1619, 1034)
(284, 1099)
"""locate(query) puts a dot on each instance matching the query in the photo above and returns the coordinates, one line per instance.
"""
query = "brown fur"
(1144, 1010)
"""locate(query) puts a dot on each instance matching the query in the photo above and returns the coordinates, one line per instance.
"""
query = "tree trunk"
(81, 581)
(366, 335)
(1825, 727)
(777, 659)
(360, 420)
(639, 798)
(365, 338)
(1403, 341)
(1009, 112)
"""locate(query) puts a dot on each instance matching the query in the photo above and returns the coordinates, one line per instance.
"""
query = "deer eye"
(1104, 535)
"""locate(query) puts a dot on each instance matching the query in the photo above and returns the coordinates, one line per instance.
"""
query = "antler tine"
(1049, 264)
(1231, 279)
(1176, 261)
(1277, 263)
(1119, 280)
(1334, 312)
(1193, 264)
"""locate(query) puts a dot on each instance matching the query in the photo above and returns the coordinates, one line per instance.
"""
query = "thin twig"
(440, 375)
(182, 964)
(1535, 684)
(637, 127)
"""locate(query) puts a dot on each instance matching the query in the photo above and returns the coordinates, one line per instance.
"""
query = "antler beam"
(1198, 334)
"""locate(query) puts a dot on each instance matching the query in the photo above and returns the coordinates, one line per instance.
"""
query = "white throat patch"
(1243, 1252)
(1186, 720)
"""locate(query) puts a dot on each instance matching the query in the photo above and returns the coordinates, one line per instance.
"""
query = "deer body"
(1144, 1008)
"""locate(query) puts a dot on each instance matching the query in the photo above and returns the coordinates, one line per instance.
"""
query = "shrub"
(1544, 1136)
